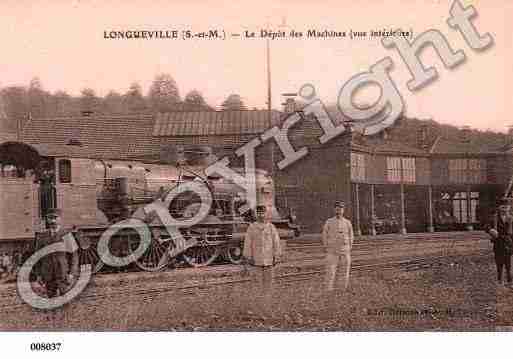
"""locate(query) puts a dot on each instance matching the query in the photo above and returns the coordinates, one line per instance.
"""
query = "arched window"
(64, 171)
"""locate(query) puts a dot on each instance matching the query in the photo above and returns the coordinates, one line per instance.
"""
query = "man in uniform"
(262, 250)
(55, 269)
(337, 237)
(501, 233)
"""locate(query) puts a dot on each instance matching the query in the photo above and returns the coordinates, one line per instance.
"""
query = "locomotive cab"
(35, 178)
(19, 200)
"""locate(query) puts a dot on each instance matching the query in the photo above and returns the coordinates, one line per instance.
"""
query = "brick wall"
(314, 183)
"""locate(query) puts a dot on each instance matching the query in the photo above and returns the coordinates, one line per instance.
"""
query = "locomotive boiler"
(95, 194)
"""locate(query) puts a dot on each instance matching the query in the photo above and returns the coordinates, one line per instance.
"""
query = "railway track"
(304, 262)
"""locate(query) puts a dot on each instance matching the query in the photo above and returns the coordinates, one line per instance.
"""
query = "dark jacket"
(503, 243)
(54, 267)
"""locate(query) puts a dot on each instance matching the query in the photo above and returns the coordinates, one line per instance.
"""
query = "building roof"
(387, 147)
(101, 136)
(143, 136)
(62, 150)
(207, 123)
(410, 135)
(397, 147)
(132, 136)
(3, 112)
(447, 146)
(189, 107)
(385, 143)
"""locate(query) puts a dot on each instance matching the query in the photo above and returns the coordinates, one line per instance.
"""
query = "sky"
(62, 42)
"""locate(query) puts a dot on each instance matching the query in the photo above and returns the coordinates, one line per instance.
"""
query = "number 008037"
(45, 346)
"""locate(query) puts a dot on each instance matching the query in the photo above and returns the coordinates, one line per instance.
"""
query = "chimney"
(74, 139)
(289, 106)
(465, 133)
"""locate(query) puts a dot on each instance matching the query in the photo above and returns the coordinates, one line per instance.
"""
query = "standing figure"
(6, 266)
(262, 251)
(337, 237)
(55, 269)
(502, 233)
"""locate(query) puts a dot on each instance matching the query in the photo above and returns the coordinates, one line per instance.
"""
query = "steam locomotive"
(94, 194)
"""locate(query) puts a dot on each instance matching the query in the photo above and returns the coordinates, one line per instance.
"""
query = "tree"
(194, 100)
(163, 94)
(194, 97)
(133, 100)
(89, 102)
(233, 103)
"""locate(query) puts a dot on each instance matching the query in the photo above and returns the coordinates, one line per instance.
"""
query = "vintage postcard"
(213, 166)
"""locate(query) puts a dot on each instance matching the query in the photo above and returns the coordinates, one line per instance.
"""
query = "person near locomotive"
(337, 238)
(502, 238)
(262, 251)
(56, 268)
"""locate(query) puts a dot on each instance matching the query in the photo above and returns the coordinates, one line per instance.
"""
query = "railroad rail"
(304, 261)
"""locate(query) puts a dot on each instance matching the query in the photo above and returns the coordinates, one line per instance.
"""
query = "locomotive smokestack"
(289, 106)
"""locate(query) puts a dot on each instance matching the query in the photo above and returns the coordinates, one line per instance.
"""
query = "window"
(465, 170)
(394, 169)
(64, 171)
(401, 169)
(357, 166)
(460, 204)
(457, 170)
(408, 170)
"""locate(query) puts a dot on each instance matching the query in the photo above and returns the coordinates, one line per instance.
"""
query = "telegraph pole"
(268, 58)
(269, 95)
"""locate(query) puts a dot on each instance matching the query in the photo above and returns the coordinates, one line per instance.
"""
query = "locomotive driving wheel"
(156, 257)
(204, 252)
(201, 255)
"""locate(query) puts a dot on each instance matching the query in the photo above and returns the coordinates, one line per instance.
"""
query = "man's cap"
(340, 204)
(261, 208)
(54, 212)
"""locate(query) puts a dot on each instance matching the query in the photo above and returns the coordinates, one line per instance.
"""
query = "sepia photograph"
(274, 166)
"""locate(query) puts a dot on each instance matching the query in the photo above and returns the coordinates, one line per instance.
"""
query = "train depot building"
(413, 177)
